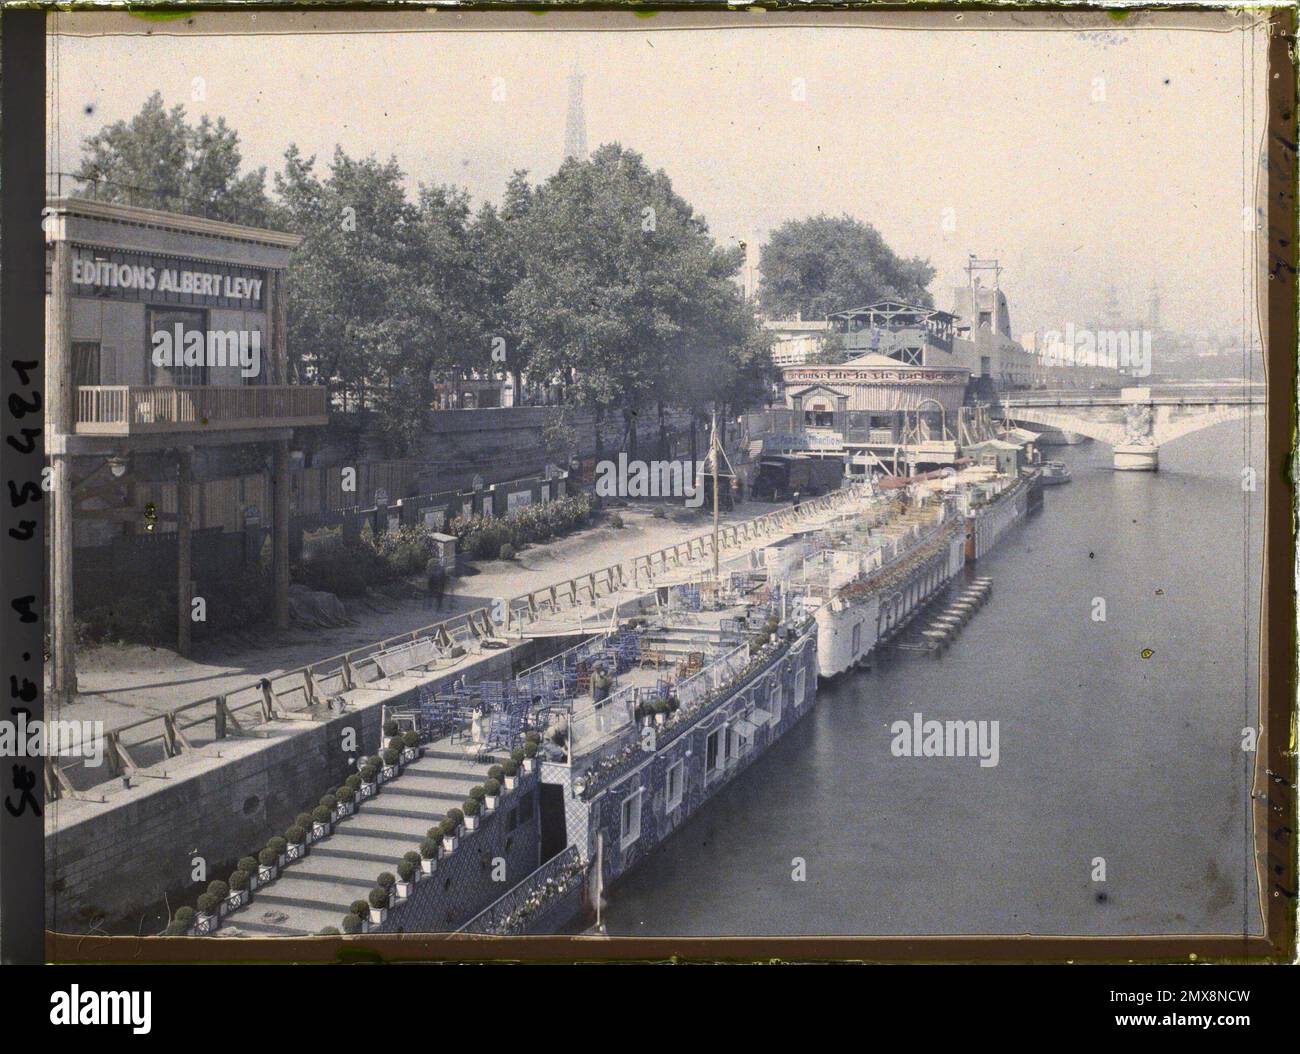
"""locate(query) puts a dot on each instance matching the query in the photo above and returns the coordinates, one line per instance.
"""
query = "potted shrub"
(268, 866)
(352, 924)
(410, 746)
(297, 848)
(530, 757)
(378, 905)
(491, 793)
(451, 830)
(368, 785)
(660, 710)
(321, 818)
(471, 807)
(219, 891)
(429, 855)
(205, 921)
(303, 820)
(182, 922)
(510, 774)
(239, 894)
(388, 881)
(346, 802)
(392, 760)
(396, 743)
(248, 864)
(391, 727)
(407, 875)
(280, 847)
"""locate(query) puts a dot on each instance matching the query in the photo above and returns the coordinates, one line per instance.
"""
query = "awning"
(759, 717)
(743, 728)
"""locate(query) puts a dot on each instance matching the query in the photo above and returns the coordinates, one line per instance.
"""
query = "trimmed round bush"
(454, 819)
(390, 727)
(321, 814)
(296, 835)
(410, 740)
(277, 845)
(218, 889)
(496, 772)
(248, 864)
(328, 802)
(378, 897)
(303, 820)
(175, 929)
(429, 848)
(532, 736)
(660, 513)
(405, 870)
(471, 806)
(352, 782)
(207, 904)
(517, 755)
(412, 856)
(478, 794)
(391, 757)
(530, 750)
(351, 923)
(506, 552)
(328, 931)
(346, 795)
(184, 915)
(396, 743)
(510, 767)
(386, 880)
(376, 762)
(616, 521)
(239, 880)
(360, 908)
(368, 773)
(492, 788)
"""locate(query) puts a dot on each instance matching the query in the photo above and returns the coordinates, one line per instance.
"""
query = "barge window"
(630, 819)
(711, 752)
(799, 685)
(674, 785)
(774, 702)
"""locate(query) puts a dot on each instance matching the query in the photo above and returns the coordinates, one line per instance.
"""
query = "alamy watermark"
(219, 348)
(22, 738)
(651, 479)
(1128, 351)
(920, 738)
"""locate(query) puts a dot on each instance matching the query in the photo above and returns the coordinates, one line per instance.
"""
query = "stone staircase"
(342, 867)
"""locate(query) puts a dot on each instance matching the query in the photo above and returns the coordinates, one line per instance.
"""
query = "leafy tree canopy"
(816, 266)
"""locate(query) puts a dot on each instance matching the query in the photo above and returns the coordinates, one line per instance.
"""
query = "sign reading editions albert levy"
(116, 275)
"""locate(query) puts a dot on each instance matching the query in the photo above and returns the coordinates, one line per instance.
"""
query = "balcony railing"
(123, 410)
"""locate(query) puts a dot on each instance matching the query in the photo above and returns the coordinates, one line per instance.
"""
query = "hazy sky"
(1081, 158)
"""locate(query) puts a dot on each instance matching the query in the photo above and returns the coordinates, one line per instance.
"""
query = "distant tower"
(575, 127)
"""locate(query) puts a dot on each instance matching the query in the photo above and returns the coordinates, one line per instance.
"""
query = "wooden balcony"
(129, 410)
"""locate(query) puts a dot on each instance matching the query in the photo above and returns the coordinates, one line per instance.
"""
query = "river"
(1119, 742)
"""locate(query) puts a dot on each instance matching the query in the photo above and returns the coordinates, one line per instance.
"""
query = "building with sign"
(165, 334)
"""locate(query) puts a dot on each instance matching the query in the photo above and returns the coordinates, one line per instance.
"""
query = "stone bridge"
(1136, 422)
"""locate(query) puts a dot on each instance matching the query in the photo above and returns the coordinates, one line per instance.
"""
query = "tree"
(823, 264)
(622, 285)
(498, 260)
(158, 160)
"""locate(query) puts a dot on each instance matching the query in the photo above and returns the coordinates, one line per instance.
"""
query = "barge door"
(552, 834)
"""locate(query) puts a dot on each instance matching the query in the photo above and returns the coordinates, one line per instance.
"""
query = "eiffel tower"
(575, 126)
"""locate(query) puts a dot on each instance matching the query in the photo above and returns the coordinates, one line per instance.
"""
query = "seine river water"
(1119, 740)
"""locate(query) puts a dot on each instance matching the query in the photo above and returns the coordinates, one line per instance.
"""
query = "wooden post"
(184, 458)
(61, 421)
(280, 533)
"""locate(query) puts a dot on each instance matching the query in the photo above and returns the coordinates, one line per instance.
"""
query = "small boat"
(1054, 473)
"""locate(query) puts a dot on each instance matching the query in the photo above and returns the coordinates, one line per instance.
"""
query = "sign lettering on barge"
(111, 274)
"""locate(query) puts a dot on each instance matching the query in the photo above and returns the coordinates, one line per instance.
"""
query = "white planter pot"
(449, 842)
(404, 889)
(428, 867)
(236, 899)
(378, 915)
(204, 924)
(471, 823)
(294, 852)
(344, 809)
(319, 831)
(367, 790)
(266, 875)
(389, 772)
(491, 802)
(510, 782)
(410, 754)
(530, 764)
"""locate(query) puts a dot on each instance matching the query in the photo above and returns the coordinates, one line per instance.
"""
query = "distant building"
(795, 340)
